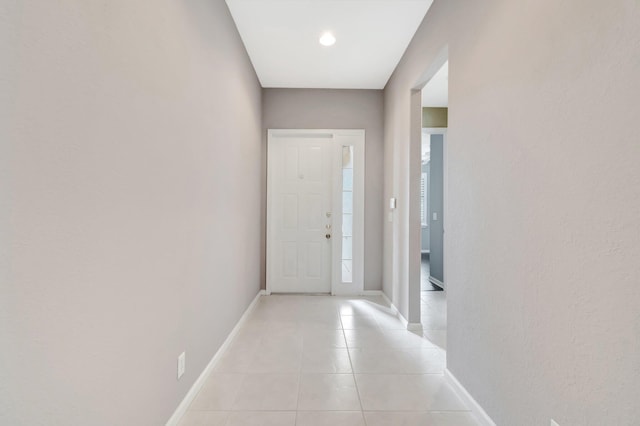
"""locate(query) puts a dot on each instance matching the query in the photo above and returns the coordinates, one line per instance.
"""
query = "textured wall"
(542, 251)
(339, 109)
(131, 153)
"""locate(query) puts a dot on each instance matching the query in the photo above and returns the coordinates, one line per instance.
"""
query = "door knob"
(328, 236)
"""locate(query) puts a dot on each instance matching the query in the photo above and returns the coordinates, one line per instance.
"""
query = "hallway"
(320, 360)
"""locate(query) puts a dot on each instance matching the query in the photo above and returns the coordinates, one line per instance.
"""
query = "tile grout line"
(295, 422)
(355, 328)
(353, 374)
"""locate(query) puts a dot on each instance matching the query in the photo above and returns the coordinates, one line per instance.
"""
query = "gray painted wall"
(436, 205)
(541, 252)
(337, 109)
(130, 143)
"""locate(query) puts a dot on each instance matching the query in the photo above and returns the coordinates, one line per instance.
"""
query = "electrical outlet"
(182, 364)
(554, 423)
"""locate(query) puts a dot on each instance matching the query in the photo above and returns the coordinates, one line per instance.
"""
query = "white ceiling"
(436, 91)
(281, 37)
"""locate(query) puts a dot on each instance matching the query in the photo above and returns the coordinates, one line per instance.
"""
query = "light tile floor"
(321, 360)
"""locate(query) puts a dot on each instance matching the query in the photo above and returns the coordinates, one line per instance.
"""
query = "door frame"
(442, 131)
(338, 138)
(413, 258)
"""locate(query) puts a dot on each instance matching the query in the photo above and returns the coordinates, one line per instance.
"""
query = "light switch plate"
(554, 423)
(392, 203)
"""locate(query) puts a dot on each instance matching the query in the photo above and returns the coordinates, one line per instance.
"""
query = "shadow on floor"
(425, 284)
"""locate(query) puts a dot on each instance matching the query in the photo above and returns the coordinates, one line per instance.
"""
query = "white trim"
(339, 138)
(371, 293)
(356, 139)
(414, 326)
(445, 208)
(434, 130)
(436, 282)
(411, 326)
(414, 164)
(466, 397)
(197, 385)
(394, 309)
(386, 299)
(437, 63)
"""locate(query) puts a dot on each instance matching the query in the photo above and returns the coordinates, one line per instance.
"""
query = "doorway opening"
(427, 286)
(431, 191)
(315, 211)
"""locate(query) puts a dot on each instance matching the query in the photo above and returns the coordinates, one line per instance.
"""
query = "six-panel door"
(300, 205)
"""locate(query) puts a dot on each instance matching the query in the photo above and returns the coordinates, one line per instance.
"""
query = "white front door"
(300, 202)
(315, 211)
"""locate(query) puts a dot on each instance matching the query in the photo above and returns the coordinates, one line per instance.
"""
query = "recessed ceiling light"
(327, 39)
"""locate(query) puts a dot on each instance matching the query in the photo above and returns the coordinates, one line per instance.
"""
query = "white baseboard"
(197, 385)
(411, 326)
(392, 307)
(436, 282)
(414, 326)
(371, 293)
(386, 299)
(476, 409)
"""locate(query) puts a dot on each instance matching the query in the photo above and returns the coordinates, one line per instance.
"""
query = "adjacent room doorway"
(428, 190)
(315, 211)
(432, 213)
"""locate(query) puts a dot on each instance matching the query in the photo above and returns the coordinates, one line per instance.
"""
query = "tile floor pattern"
(321, 360)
